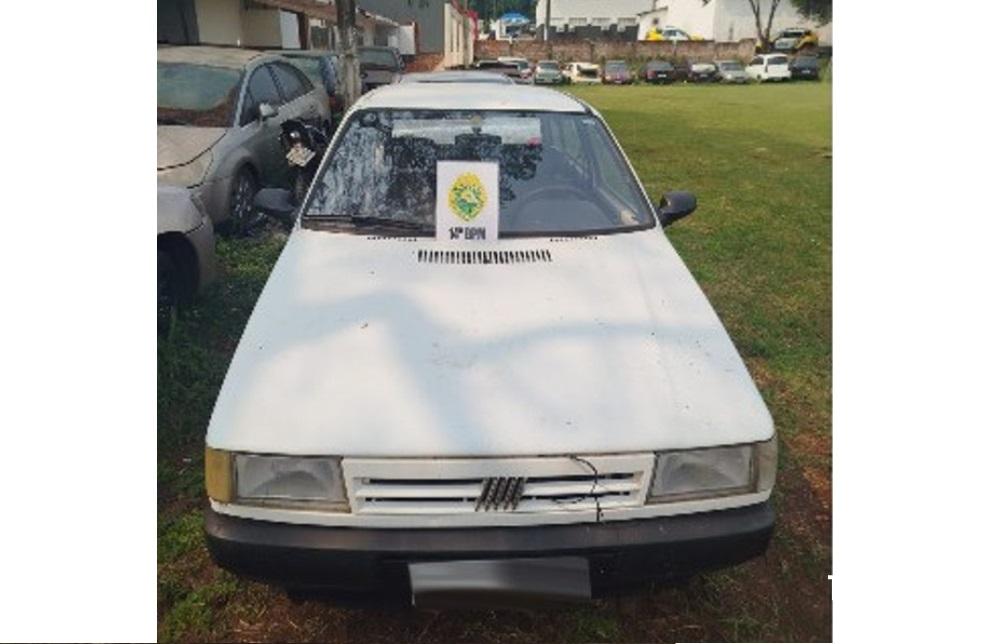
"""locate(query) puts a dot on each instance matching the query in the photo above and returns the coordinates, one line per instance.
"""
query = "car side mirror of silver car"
(267, 111)
(676, 205)
(277, 203)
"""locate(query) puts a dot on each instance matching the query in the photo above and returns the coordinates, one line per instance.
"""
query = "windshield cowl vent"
(573, 238)
(484, 256)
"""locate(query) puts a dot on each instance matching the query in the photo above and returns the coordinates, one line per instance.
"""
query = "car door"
(261, 138)
(755, 68)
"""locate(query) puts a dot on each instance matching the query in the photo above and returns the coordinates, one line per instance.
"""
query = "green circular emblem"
(467, 196)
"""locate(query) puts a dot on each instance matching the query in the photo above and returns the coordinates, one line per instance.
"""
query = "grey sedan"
(219, 115)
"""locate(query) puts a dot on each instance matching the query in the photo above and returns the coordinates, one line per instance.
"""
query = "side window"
(609, 163)
(261, 89)
(292, 81)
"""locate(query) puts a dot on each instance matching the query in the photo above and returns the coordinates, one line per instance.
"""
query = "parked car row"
(763, 67)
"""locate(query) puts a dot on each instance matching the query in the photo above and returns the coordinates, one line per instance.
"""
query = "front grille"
(468, 486)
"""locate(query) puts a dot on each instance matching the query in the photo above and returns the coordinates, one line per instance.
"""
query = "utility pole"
(545, 29)
(467, 52)
(345, 45)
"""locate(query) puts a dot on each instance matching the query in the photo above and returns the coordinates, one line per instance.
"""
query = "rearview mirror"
(275, 202)
(266, 111)
(676, 205)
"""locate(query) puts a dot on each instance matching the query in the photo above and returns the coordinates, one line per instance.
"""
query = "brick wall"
(566, 50)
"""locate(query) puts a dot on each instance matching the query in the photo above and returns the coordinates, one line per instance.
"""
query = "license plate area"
(500, 583)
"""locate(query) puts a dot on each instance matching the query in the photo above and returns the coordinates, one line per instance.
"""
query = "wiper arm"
(363, 221)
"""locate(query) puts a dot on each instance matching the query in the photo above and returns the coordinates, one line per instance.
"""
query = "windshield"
(778, 60)
(558, 173)
(198, 95)
(549, 67)
(806, 62)
(659, 65)
(731, 67)
(380, 58)
(792, 34)
(615, 67)
(588, 71)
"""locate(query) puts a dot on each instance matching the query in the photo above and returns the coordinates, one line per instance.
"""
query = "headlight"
(714, 472)
(289, 481)
(189, 175)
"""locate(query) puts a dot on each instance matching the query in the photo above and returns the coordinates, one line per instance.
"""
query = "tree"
(820, 11)
(763, 33)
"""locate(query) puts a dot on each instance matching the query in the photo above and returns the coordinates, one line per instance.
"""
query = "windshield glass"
(731, 66)
(549, 67)
(588, 71)
(806, 62)
(659, 65)
(792, 34)
(778, 60)
(615, 67)
(382, 58)
(557, 172)
(198, 95)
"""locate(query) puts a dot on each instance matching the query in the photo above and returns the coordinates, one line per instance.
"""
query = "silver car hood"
(180, 144)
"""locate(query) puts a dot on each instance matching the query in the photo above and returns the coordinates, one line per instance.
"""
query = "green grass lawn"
(759, 160)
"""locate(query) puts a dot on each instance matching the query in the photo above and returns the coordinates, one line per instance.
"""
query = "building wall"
(261, 28)
(218, 22)
(427, 14)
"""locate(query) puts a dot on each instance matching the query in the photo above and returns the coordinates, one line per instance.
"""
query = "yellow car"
(672, 34)
(796, 39)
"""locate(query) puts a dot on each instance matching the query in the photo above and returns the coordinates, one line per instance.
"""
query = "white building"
(592, 18)
(722, 20)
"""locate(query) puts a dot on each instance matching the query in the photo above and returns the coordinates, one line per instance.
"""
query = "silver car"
(731, 71)
(219, 115)
(185, 245)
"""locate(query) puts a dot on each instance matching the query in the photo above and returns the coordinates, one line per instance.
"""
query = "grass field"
(759, 159)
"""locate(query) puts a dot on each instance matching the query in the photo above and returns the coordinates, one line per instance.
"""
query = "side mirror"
(266, 111)
(275, 202)
(676, 205)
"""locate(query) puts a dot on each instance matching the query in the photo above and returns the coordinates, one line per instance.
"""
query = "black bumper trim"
(364, 561)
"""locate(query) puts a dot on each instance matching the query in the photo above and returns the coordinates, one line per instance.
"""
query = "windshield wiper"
(362, 221)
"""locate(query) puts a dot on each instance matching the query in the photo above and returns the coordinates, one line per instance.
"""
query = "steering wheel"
(544, 192)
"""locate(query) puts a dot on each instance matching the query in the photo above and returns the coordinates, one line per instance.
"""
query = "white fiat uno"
(541, 405)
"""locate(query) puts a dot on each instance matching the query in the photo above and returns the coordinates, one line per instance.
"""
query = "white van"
(479, 370)
(769, 67)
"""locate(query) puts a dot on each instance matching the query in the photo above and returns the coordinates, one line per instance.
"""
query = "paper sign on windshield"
(466, 201)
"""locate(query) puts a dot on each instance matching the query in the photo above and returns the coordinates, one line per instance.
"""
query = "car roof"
(472, 96)
(214, 56)
(469, 76)
(304, 53)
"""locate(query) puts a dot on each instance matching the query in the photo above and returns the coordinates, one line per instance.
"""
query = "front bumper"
(361, 563)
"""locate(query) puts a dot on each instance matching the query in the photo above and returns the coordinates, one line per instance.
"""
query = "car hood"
(362, 346)
(180, 144)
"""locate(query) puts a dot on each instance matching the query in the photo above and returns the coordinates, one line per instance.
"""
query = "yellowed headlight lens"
(218, 475)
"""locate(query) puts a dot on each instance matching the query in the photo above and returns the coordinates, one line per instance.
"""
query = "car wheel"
(167, 290)
(240, 210)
